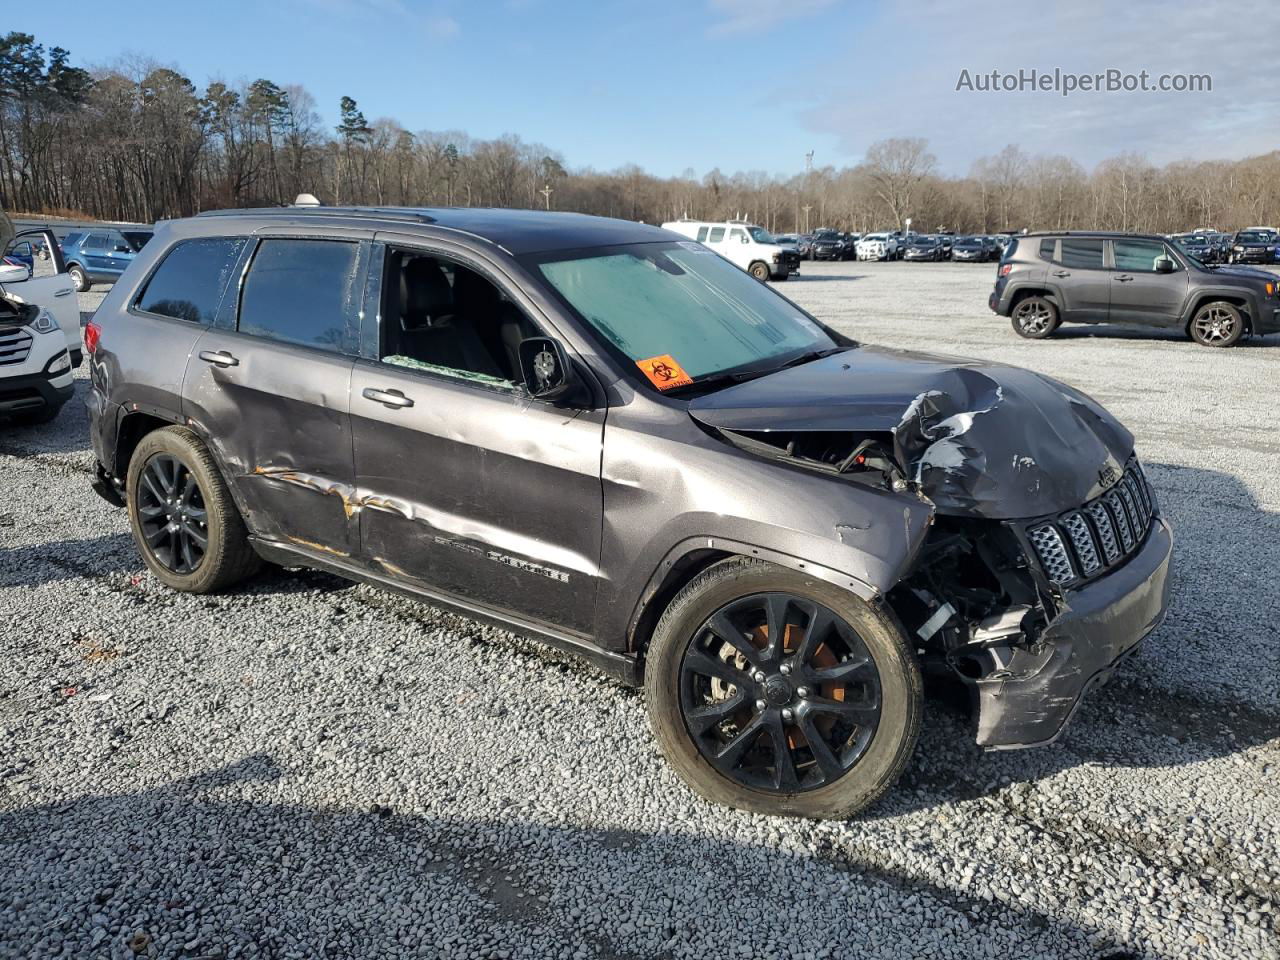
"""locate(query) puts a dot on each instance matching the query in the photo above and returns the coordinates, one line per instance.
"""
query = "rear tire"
(854, 772)
(79, 278)
(226, 556)
(1034, 318)
(1217, 324)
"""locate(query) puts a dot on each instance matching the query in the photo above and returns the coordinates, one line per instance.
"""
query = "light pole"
(806, 208)
(546, 192)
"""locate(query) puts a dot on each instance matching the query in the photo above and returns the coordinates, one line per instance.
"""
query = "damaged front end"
(1046, 562)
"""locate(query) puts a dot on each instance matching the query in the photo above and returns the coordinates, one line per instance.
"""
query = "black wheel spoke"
(701, 719)
(784, 765)
(843, 672)
(698, 662)
(820, 622)
(170, 508)
(188, 487)
(162, 531)
(149, 482)
(197, 537)
(723, 629)
(828, 763)
(728, 758)
(776, 606)
(858, 712)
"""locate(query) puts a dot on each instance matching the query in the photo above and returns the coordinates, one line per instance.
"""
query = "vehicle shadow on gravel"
(68, 433)
(823, 277)
(217, 865)
(1178, 702)
(92, 558)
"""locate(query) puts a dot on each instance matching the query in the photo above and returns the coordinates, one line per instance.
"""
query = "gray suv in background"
(1047, 279)
(604, 436)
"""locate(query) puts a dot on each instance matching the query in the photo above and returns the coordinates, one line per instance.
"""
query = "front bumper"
(1029, 703)
(35, 391)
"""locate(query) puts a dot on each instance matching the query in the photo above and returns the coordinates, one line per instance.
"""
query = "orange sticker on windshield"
(663, 372)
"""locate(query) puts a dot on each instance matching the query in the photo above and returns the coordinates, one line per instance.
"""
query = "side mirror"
(14, 272)
(547, 372)
(1165, 265)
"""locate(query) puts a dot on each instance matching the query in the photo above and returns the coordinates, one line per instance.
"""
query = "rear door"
(1139, 292)
(95, 257)
(1079, 272)
(269, 388)
(467, 485)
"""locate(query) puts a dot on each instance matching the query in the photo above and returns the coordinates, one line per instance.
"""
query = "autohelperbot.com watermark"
(1065, 82)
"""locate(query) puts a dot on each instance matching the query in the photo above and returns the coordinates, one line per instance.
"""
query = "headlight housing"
(44, 322)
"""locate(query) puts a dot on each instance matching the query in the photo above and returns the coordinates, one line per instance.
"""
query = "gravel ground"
(308, 768)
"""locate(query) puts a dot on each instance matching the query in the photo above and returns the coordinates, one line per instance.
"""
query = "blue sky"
(734, 84)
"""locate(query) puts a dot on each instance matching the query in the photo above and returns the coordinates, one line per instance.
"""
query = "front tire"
(184, 522)
(760, 271)
(79, 278)
(775, 692)
(1034, 318)
(1217, 324)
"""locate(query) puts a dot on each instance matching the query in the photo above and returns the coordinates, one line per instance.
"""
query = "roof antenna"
(306, 200)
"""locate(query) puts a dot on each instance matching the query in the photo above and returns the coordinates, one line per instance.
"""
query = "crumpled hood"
(979, 439)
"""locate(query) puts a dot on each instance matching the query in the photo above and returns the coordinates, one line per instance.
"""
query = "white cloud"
(442, 27)
(748, 16)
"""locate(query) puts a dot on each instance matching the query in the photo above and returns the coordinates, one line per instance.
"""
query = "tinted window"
(717, 234)
(702, 234)
(71, 238)
(1047, 249)
(1138, 255)
(189, 282)
(1082, 254)
(299, 291)
(96, 241)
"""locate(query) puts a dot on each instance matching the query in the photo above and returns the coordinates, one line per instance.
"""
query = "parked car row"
(1251, 245)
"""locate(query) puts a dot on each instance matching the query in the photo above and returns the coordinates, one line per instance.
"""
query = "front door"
(465, 484)
(1083, 279)
(271, 393)
(1139, 292)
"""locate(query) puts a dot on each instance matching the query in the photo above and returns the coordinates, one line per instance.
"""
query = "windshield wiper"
(714, 381)
(810, 356)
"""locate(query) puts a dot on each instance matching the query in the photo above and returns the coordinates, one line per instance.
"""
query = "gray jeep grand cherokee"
(604, 436)
(1047, 279)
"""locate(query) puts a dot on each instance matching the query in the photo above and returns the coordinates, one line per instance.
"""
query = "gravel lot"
(309, 768)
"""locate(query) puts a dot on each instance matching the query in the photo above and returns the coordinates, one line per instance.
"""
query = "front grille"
(1082, 544)
(15, 344)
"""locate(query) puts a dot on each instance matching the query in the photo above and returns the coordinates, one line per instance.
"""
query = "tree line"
(139, 141)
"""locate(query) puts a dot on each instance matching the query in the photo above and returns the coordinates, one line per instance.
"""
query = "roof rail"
(410, 214)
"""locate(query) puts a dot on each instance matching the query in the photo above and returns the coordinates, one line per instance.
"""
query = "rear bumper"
(1100, 625)
(35, 391)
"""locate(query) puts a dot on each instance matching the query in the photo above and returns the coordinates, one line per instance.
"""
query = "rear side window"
(717, 234)
(299, 291)
(702, 234)
(1081, 254)
(189, 282)
(1047, 249)
(96, 241)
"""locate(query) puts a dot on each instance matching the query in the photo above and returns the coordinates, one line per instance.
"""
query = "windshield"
(1250, 237)
(761, 235)
(923, 241)
(683, 308)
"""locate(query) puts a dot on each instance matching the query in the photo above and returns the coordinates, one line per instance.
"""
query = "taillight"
(92, 333)
(1005, 269)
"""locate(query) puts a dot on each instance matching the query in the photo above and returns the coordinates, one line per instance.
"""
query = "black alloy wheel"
(779, 693)
(172, 514)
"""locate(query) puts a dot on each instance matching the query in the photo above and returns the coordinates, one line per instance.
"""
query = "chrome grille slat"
(1082, 540)
(1053, 553)
(1122, 519)
(1088, 542)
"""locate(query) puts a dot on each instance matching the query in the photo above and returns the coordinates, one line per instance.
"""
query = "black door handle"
(393, 399)
(218, 358)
